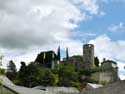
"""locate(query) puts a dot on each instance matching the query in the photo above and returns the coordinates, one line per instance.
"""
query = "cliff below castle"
(114, 88)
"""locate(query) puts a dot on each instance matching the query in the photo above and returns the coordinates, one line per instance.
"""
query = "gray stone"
(88, 55)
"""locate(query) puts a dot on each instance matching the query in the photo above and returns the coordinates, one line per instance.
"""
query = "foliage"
(44, 58)
(33, 75)
(100, 69)
(92, 80)
(96, 62)
(4, 90)
(58, 53)
(2, 71)
(46, 77)
(67, 54)
(11, 70)
(62, 75)
(67, 75)
(95, 69)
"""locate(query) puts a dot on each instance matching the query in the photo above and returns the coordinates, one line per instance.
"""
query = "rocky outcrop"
(114, 88)
(19, 89)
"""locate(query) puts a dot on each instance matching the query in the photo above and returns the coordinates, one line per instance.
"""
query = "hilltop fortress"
(107, 72)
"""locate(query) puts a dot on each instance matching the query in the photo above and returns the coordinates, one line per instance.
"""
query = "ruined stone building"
(108, 71)
(75, 60)
(86, 61)
(47, 59)
(108, 74)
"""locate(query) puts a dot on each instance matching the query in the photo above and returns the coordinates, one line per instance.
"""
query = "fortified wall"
(108, 70)
(108, 74)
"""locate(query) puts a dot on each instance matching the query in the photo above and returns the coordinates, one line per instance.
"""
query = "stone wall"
(88, 55)
(105, 77)
(114, 88)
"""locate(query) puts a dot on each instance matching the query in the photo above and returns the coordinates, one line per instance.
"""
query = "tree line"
(34, 74)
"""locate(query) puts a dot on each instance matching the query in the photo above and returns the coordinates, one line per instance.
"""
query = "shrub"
(2, 71)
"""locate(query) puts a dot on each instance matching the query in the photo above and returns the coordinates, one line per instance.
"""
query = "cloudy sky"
(28, 27)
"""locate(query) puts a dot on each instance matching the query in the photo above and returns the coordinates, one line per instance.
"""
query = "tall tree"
(23, 66)
(1, 57)
(96, 61)
(22, 74)
(11, 70)
(67, 76)
(67, 54)
(58, 53)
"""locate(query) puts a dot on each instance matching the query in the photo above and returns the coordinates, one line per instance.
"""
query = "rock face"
(19, 89)
(4, 90)
(115, 88)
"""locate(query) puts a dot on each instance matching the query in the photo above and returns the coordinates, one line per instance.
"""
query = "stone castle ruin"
(107, 72)
(47, 59)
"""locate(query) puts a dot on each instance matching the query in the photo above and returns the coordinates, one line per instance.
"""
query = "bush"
(2, 71)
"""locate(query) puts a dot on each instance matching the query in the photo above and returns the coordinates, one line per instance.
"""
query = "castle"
(107, 73)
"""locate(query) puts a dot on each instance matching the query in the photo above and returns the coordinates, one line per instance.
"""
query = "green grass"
(4, 90)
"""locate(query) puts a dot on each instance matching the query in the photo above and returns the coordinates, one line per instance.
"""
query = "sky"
(28, 27)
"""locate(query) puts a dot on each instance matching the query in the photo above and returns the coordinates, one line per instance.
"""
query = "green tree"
(22, 74)
(58, 53)
(11, 70)
(33, 75)
(67, 76)
(46, 77)
(96, 61)
(67, 54)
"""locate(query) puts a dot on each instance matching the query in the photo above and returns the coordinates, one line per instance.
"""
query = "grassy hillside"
(4, 90)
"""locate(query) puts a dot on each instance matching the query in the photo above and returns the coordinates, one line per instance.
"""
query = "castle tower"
(88, 55)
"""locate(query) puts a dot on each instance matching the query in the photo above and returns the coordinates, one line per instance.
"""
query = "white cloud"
(117, 28)
(89, 5)
(30, 26)
(105, 47)
(122, 77)
(34, 21)
(121, 66)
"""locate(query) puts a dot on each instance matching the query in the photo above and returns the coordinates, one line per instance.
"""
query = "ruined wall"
(105, 77)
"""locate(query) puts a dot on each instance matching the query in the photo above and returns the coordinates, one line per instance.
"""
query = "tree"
(67, 54)
(96, 61)
(1, 57)
(11, 70)
(67, 76)
(33, 75)
(47, 77)
(23, 66)
(22, 74)
(58, 53)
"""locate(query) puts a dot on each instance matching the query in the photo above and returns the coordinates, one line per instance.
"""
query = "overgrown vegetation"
(4, 90)
(35, 74)
(2, 71)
